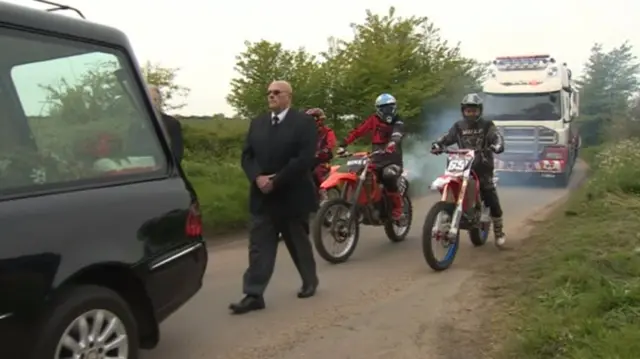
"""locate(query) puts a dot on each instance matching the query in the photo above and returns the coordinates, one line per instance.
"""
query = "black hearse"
(100, 232)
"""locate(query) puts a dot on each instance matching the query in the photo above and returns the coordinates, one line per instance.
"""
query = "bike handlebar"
(453, 151)
(369, 154)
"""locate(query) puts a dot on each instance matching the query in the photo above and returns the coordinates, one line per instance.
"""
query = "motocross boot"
(498, 231)
(398, 206)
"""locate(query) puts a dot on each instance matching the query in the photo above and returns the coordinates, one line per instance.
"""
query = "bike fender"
(337, 178)
(439, 183)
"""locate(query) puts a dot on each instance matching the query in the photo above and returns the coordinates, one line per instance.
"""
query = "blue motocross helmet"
(386, 107)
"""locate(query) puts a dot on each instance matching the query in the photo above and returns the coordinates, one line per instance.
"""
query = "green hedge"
(212, 163)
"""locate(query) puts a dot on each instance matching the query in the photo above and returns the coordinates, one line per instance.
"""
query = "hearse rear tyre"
(95, 316)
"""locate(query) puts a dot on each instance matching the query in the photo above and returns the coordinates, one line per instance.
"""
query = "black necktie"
(275, 120)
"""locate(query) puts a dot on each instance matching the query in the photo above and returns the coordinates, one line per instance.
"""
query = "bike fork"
(457, 213)
(353, 213)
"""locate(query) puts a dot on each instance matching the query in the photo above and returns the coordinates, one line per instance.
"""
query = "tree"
(98, 90)
(85, 100)
(164, 78)
(263, 62)
(610, 80)
(402, 56)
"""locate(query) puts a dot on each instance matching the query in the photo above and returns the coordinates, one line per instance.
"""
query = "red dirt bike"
(330, 193)
(460, 208)
(362, 200)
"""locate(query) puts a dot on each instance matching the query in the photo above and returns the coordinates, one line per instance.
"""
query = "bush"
(575, 291)
(212, 162)
(618, 169)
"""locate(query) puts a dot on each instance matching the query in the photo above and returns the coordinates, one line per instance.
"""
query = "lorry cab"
(533, 102)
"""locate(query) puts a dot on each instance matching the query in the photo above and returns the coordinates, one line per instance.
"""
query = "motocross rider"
(324, 148)
(474, 132)
(386, 129)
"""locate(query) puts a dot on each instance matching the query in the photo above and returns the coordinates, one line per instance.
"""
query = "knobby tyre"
(389, 229)
(319, 222)
(478, 236)
(427, 240)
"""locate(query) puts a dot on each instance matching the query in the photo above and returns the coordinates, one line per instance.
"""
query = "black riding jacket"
(475, 135)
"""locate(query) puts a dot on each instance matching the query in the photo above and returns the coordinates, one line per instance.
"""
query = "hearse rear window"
(74, 115)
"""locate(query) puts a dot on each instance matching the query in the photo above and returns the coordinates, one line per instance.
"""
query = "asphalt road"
(380, 304)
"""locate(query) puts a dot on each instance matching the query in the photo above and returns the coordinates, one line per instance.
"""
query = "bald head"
(279, 96)
(156, 96)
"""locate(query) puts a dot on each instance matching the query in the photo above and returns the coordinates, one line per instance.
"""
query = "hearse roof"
(12, 15)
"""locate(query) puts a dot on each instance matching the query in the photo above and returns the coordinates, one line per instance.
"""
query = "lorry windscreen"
(522, 107)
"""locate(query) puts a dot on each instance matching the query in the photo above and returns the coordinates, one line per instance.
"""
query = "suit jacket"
(287, 150)
(174, 130)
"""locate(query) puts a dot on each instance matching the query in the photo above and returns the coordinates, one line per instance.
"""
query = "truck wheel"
(564, 179)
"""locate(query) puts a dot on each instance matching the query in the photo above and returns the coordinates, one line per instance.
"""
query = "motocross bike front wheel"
(397, 231)
(326, 195)
(434, 234)
(341, 230)
(333, 193)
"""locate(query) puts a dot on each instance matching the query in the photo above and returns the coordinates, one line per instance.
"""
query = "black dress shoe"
(247, 304)
(307, 291)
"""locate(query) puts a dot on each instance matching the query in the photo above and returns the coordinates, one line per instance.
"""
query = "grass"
(574, 290)
(212, 163)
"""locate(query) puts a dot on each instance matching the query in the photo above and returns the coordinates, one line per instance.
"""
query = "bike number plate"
(356, 162)
(457, 165)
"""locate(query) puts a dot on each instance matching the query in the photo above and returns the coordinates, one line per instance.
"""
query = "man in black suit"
(277, 158)
(171, 124)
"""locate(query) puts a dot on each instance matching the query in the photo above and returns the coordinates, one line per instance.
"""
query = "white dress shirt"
(280, 116)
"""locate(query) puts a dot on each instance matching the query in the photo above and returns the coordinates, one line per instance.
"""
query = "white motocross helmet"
(386, 107)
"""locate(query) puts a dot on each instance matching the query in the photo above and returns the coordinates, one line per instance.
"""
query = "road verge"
(573, 291)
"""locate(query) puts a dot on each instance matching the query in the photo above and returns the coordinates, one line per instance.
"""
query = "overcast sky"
(203, 37)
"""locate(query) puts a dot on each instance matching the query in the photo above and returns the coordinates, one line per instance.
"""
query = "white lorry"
(533, 102)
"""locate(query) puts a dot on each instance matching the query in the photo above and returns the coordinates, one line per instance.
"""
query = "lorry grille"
(526, 142)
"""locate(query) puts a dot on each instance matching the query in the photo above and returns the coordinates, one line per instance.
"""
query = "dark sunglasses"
(274, 92)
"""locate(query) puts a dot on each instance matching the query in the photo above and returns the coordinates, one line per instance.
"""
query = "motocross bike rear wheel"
(435, 228)
(397, 231)
(479, 235)
(341, 229)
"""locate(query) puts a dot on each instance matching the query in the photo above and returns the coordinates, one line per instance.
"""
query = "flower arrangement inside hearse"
(23, 166)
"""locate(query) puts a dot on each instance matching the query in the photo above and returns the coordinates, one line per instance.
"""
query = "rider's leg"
(489, 195)
(390, 175)
(319, 174)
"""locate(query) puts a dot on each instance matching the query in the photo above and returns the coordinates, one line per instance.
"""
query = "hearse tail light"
(193, 226)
